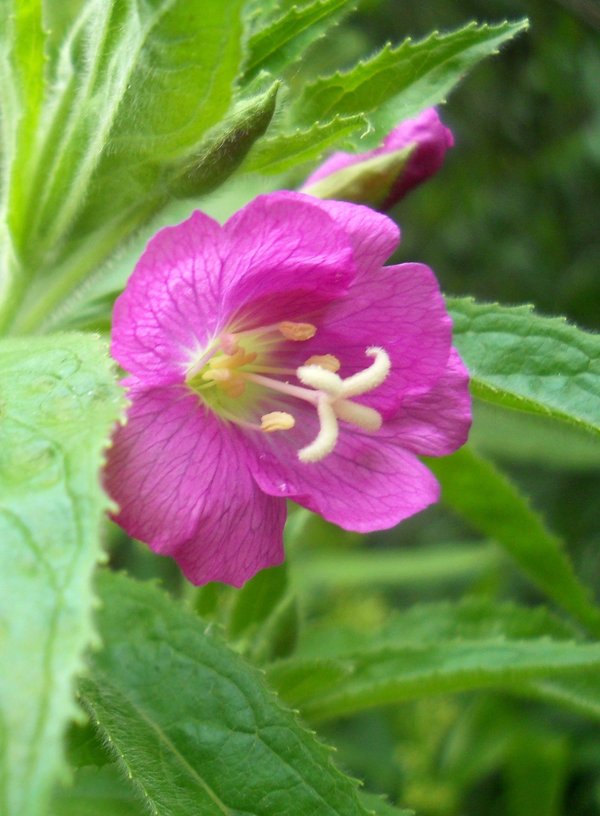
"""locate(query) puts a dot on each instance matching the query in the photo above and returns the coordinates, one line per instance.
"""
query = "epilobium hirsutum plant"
(277, 360)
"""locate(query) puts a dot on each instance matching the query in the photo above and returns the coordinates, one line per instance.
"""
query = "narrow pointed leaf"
(395, 674)
(286, 150)
(279, 44)
(482, 495)
(399, 82)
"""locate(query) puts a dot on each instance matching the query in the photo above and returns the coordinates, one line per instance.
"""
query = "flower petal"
(181, 480)
(374, 236)
(286, 257)
(368, 483)
(431, 139)
(436, 423)
(399, 308)
(171, 304)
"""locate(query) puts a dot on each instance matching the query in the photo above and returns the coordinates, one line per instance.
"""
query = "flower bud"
(409, 154)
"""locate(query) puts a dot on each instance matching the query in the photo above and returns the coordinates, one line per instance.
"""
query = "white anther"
(327, 436)
(321, 379)
(371, 377)
(360, 415)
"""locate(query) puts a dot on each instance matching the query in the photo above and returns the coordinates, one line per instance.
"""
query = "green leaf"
(21, 90)
(537, 364)
(400, 82)
(478, 492)
(196, 726)
(395, 674)
(280, 43)
(134, 89)
(58, 403)
(286, 150)
(471, 619)
(97, 792)
(379, 806)
(151, 79)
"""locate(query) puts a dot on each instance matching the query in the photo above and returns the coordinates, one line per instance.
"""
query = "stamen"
(321, 379)
(277, 421)
(327, 436)
(371, 377)
(297, 331)
(327, 361)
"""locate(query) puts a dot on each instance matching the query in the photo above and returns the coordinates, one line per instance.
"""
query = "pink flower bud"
(409, 154)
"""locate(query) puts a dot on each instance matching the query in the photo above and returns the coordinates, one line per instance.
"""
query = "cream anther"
(327, 361)
(371, 377)
(277, 421)
(327, 436)
(297, 331)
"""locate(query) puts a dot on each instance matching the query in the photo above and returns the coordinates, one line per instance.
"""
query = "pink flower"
(409, 154)
(275, 358)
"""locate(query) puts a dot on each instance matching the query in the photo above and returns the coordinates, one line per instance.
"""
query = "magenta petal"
(431, 139)
(374, 236)
(401, 309)
(368, 483)
(436, 423)
(286, 258)
(182, 483)
(171, 303)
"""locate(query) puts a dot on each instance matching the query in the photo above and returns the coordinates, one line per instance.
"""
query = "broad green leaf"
(286, 150)
(482, 495)
(279, 44)
(58, 405)
(399, 82)
(521, 360)
(193, 724)
(97, 792)
(395, 674)
(152, 78)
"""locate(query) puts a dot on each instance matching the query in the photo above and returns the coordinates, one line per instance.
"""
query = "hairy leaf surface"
(58, 402)
(195, 726)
